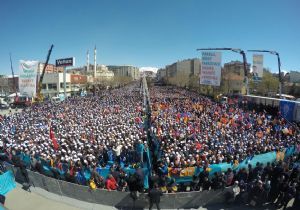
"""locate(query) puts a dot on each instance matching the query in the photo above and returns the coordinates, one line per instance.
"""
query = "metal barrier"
(116, 198)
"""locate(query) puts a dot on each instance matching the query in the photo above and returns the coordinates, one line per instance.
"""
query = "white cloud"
(148, 68)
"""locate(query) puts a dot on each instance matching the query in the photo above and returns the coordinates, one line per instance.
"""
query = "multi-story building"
(125, 71)
(9, 84)
(50, 68)
(102, 73)
(233, 76)
(161, 74)
(294, 76)
(53, 84)
(180, 73)
(150, 74)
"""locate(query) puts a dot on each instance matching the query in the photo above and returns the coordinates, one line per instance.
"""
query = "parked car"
(4, 106)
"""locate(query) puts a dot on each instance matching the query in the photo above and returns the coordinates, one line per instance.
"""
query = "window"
(52, 86)
(67, 85)
(44, 87)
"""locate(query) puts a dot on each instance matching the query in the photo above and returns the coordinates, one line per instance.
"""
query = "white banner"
(211, 68)
(27, 78)
(258, 67)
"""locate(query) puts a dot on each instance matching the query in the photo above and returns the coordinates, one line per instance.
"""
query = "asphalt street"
(37, 199)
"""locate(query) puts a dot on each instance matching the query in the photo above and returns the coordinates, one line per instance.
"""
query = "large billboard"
(65, 62)
(211, 68)
(27, 78)
(258, 67)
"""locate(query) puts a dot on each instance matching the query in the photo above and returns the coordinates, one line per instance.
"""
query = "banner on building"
(258, 67)
(211, 68)
(27, 78)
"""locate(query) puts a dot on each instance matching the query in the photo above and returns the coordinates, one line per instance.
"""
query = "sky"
(147, 33)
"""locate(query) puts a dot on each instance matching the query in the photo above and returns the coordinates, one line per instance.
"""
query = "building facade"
(9, 84)
(233, 76)
(180, 73)
(125, 71)
(294, 76)
(50, 68)
(150, 74)
(53, 84)
(161, 74)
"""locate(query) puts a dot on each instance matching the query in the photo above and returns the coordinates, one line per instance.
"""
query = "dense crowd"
(194, 130)
(187, 130)
(79, 133)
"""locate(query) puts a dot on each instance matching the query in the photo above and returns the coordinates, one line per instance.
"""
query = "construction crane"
(39, 95)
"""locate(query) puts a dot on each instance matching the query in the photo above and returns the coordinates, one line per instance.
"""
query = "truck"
(21, 102)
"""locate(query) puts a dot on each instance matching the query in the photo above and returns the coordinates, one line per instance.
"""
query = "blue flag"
(7, 182)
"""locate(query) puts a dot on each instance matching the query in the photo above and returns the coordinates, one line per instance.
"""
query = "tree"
(194, 82)
(268, 84)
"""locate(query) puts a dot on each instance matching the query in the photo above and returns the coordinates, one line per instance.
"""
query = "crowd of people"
(194, 130)
(108, 129)
(79, 133)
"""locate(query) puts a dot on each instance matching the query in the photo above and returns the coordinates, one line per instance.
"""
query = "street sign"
(65, 62)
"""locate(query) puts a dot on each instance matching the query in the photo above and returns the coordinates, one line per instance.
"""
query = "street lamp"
(279, 66)
(236, 50)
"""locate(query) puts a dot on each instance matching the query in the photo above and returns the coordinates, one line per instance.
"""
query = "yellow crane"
(39, 95)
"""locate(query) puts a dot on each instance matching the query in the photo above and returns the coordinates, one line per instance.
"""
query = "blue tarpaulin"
(287, 109)
(7, 182)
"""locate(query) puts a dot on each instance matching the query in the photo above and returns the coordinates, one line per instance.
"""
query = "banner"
(210, 68)
(287, 109)
(258, 67)
(27, 78)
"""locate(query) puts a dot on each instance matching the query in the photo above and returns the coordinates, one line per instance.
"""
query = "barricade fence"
(184, 175)
(123, 199)
(116, 198)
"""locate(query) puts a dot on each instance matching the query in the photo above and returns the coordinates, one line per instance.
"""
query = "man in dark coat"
(154, 197)
(133, 184)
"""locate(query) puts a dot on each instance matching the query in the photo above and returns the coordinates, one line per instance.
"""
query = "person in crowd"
(172, 186)
(2, 199)
(154, 197)
(257, 194)
(154, 179)
(111, 183)
(134, 185)
(232, 193)
(206, 184)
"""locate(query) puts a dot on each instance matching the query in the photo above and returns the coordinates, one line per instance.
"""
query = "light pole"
(279, 66)
(242, 52)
